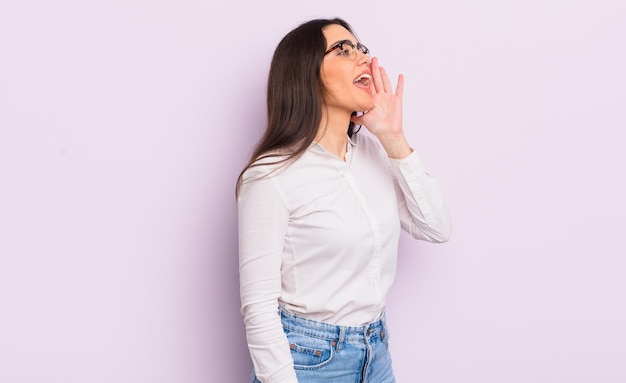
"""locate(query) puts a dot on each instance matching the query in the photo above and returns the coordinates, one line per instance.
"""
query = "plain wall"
(124, 125)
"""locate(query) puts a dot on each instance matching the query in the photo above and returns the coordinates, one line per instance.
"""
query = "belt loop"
(342, 337)
(385, 331)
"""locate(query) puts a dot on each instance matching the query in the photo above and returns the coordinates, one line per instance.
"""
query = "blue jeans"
(337, 354)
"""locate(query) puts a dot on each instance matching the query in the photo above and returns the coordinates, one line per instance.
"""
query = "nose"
(362, 58)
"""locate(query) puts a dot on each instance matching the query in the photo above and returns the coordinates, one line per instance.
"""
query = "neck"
(333, 135)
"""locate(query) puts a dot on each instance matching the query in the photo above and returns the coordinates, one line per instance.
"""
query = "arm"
(263, 221)
(423, 213)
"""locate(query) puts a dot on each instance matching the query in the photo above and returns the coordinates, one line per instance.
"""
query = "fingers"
(386, 82)
(381, 80)
(400, 86)
(377, 76)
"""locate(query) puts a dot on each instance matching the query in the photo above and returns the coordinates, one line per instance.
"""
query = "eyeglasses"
(347, 48)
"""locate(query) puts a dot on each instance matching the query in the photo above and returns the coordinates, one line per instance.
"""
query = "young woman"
(320, 212)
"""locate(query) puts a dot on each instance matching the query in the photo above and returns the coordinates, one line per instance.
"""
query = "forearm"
(396, 145)
(268, 345)
(422, 209)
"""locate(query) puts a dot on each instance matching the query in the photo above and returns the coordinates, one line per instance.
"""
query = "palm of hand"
(385, 118)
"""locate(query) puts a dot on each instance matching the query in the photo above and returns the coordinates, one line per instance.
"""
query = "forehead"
(335, 32)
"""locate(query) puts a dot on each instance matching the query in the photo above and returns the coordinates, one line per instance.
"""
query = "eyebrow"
(342, 41)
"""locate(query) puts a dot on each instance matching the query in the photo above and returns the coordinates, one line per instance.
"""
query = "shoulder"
(263, 174)
(267, 165)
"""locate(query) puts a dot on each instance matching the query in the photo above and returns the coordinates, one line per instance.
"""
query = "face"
(346, 79)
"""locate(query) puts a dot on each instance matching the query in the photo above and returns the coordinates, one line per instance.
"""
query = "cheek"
(334, 88)
(335, 76)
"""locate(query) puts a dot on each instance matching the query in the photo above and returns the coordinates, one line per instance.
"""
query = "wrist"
(396, 146)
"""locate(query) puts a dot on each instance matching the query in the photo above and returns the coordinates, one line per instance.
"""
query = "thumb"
(357, 120)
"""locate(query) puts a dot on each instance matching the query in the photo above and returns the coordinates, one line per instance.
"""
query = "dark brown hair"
(295, 95)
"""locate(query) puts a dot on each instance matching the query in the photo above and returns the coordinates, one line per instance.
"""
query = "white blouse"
(320, 239)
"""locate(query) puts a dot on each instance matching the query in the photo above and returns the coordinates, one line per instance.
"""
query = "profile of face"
(346, 72)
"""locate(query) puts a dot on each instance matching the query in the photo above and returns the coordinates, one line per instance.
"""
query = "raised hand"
(384, 120)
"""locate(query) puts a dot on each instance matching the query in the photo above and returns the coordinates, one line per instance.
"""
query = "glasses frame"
(358, 48)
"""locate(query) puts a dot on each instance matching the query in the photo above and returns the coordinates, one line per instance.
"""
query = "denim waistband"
(323, 330)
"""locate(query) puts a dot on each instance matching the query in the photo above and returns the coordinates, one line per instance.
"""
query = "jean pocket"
(309, 352)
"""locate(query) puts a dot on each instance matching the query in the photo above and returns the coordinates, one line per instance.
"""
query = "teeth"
(363, 77)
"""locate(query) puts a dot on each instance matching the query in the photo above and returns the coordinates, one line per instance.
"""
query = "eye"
(346, 49)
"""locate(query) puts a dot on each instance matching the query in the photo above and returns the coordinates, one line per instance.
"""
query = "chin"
(365, 107)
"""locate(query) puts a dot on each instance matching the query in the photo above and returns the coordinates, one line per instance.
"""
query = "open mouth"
(363, 80)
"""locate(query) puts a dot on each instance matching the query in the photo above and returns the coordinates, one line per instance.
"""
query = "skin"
(382, 106)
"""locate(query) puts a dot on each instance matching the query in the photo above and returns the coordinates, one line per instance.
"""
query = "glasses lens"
(363, 49)
(348, 49)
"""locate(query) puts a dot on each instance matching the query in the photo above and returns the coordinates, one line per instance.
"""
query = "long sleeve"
(423, 212)
(263, 220)
(319, 237)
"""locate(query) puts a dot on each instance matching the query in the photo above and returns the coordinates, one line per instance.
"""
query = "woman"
(320, 212)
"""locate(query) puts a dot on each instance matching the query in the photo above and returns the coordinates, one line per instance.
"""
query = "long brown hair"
(295, 95)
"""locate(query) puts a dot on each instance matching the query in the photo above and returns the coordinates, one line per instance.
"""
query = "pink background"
(124, 124)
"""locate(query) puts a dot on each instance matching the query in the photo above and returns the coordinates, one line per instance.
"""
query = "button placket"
(375, 266)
